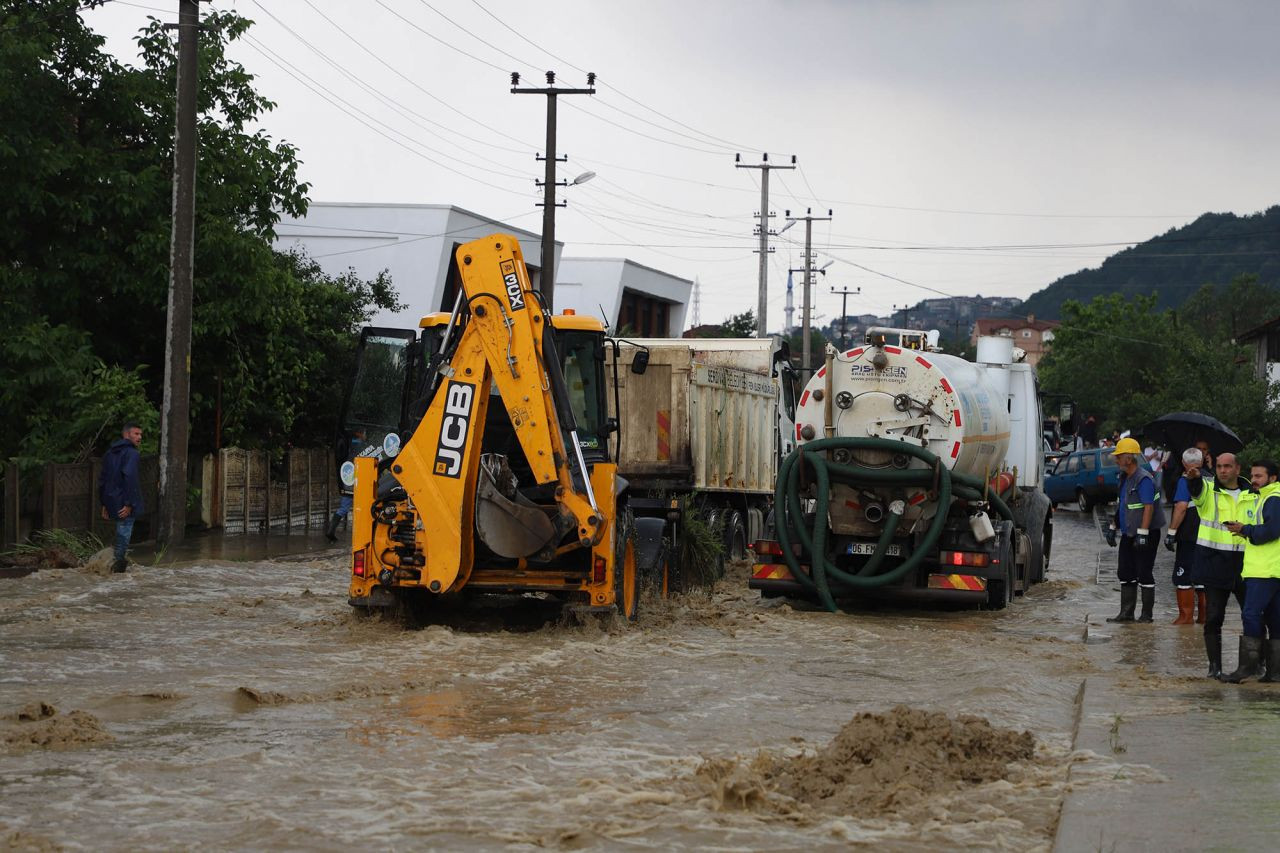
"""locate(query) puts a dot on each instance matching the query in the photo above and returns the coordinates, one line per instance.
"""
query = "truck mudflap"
(775, 579)
(378, 597)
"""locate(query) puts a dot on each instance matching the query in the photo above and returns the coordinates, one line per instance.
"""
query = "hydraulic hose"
(790, 521)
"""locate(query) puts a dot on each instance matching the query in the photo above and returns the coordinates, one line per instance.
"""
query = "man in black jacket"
(120, 490)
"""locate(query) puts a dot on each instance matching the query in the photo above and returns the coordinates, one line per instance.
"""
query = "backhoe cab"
(485, 464)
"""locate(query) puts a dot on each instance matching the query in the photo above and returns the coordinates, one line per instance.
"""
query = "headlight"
(391, 445)
(347, 473)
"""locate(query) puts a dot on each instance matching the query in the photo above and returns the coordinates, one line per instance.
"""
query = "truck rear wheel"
(735, 536)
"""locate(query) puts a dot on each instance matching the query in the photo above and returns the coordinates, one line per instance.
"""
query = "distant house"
(1265, 340)
(1029, 334)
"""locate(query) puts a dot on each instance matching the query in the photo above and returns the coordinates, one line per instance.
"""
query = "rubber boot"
(1148, 603)
(1186, 606)
(1202, 605)
(1272, 649)
(1213, 648)
(119, 565)
(331, 529)
(1250, 659)
(1128, 600)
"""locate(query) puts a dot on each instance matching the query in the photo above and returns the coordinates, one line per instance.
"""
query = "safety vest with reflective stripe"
(1216, 508)
(1131, 506)
(1263, 561)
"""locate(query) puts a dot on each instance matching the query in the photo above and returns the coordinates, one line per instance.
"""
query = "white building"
(416, 244)
(644, 301)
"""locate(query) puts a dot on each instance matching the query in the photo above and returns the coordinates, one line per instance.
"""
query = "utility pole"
(765, 167)
(808, 219)
(844, 294)
(902, 322)
(175, 414)
(547, 276)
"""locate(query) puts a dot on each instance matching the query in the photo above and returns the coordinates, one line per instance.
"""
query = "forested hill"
(1214, 249)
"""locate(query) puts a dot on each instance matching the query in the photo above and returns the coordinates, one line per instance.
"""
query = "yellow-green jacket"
(1219, 552)
(1262, 551)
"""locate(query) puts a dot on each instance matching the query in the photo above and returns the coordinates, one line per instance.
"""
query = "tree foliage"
(1128, 363)
(736, 326)
(86, 162)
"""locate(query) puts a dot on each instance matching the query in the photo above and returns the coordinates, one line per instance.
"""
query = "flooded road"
(234, 705)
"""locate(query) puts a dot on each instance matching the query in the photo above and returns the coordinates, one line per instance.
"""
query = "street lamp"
(583, 178)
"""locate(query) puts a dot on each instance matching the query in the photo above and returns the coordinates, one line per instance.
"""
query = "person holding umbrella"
(1184, 528)
(1219, 559)
(1139, 518)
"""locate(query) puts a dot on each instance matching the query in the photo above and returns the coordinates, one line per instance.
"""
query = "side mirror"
(610, 426)
(640, 362)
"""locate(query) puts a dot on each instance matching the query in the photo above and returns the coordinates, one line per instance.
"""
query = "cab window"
(583, 366)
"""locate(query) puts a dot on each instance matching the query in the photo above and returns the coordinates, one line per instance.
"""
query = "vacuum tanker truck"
(917, 475)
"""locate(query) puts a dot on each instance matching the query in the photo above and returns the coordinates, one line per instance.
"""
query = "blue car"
(1083, 477)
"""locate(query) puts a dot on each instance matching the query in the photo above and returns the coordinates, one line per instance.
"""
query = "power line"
(439, 40)
(351, 111)
(392, 103)
(729, 145)
(527, 149)
(415, 239)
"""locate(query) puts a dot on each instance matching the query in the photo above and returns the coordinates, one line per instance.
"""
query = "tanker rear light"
(598, 569)
(964, 558)
(767, 546)
(357, 564)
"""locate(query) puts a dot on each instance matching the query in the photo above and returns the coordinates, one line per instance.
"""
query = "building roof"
(987, 325)
(1259, 331)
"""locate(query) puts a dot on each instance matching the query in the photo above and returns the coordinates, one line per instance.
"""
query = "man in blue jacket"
(120, 490)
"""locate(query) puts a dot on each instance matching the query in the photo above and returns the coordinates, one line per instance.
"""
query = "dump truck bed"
(702, 417)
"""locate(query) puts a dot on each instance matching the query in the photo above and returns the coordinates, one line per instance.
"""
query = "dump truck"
(486, 464)
(917, 476)
(706, 425)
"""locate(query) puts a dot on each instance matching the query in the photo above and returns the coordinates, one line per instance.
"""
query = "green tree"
(1126, 363)
(86, 162)
(737, 326)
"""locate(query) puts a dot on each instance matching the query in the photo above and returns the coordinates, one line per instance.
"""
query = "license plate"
(870, 548)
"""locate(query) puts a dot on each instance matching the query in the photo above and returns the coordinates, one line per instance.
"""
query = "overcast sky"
(930, 129)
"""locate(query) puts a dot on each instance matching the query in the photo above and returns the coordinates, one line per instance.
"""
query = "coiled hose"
(790, 513)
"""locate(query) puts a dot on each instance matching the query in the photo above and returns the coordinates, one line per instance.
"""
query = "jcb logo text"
(454, 427)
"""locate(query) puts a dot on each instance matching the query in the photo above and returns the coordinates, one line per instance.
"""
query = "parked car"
(1085, 477)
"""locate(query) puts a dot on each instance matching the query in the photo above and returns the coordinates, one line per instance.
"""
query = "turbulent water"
(234, 705)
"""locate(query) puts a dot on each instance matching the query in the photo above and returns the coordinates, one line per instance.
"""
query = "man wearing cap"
(1139, 519)
(1221, 503)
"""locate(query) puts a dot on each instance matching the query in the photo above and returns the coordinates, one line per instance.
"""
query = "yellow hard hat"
(1127, 445)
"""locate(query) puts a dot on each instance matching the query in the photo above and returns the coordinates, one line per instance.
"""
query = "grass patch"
(700, 552)
(55, 547)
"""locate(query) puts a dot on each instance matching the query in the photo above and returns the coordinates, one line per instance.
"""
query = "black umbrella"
(1180, 430)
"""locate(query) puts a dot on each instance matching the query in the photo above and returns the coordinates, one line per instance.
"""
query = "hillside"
(1214, 249)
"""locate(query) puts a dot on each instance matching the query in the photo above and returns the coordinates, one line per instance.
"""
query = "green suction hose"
(790, 513)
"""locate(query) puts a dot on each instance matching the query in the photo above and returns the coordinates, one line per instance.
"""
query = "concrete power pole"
(844, 294)
(765, 167)
(547, 276)
(808, 219)
(175, 414)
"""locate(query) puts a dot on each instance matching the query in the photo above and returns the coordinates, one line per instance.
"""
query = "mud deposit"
(40, 725)
(232, 705)
(877, 764)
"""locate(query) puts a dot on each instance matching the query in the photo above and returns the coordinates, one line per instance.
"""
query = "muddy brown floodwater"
(234, 705)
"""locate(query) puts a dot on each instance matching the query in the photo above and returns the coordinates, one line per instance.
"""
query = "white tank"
(956, 409)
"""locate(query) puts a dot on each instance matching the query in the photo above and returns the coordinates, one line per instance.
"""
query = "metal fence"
(240, 491)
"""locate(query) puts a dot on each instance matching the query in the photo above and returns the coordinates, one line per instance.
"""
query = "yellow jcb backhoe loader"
(481, 457)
